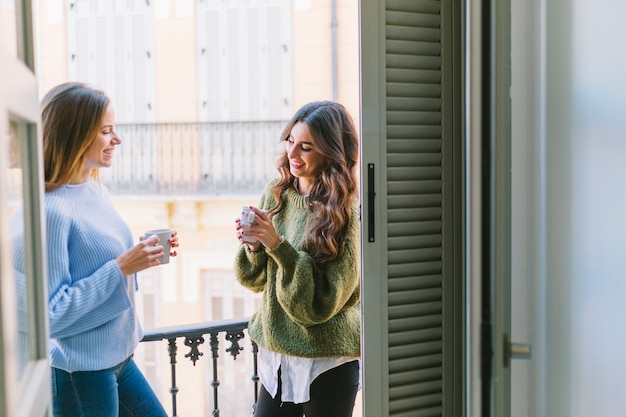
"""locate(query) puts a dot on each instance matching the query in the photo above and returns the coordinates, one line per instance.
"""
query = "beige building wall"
(312, 53)
(50, 44)
(206, 226)
(176, 66)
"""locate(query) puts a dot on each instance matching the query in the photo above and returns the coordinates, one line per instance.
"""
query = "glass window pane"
(13, 136)
(596, 96)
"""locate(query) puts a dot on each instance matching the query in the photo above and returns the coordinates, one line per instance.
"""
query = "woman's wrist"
(275, 243)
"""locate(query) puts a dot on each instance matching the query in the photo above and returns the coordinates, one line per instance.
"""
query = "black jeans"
(332, 395)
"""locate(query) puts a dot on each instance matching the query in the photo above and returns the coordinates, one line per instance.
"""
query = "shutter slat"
(416, 76)
(409, 389)
(395, 271)
(413, 62)
(413, 187)
(410, 345)
(414, 146)
(406, 226)
(425, 104)
(412, 241)
(410, 283)
(417, 200)
(414, 34)
(410, 159)
(414, 173)
(413, 20)
(413, 90)
(417, 139)
(415, 255)
(415, 310)
(408, 298)
(409, 324)
(403, 363)
(434, 411)
(430, 376)
(426, 219)
(409, 117)
(417, 349)
(428, 406)
(413, 48)
(414, 6)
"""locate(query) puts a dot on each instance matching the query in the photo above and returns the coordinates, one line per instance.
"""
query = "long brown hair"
(334, 189)
(71, 115)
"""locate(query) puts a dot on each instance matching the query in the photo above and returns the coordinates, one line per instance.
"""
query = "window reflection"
(14, 146)
(15, 215)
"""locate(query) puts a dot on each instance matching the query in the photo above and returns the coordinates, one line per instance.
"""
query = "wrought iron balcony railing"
(193, 337)
(213, 159)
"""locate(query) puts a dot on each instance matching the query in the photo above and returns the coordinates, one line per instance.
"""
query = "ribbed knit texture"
(93, 324)
(302, 315)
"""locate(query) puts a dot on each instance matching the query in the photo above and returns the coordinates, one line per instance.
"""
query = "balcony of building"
(227, 353)
(217, 160)
(212, 159)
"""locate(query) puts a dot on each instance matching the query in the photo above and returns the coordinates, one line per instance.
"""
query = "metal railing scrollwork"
(193, 336)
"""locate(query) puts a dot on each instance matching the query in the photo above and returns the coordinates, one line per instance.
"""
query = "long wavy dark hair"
(335, 187)
(71, 114)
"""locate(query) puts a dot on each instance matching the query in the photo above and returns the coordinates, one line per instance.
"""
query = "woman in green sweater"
(304, 258)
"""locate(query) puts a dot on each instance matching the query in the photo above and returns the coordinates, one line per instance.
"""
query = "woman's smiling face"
(100, 152)
(305, 162)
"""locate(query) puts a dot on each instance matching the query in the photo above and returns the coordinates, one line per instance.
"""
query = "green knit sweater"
(302, 314)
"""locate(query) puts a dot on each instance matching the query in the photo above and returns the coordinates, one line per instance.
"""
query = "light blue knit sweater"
(93, 324)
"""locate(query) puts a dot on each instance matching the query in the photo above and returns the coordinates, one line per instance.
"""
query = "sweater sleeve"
(311, 299)
(250, 268)
(79, 304)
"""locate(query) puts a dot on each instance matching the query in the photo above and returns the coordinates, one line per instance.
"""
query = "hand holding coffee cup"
(246, 220)
(164, 235)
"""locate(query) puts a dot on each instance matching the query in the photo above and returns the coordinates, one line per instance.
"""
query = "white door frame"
(27, 394)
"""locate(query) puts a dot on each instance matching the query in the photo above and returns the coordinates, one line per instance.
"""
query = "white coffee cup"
(164, 235)
(245, 220)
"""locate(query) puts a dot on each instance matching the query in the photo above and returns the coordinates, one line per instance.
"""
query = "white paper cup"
(245, 220)
(164, 235)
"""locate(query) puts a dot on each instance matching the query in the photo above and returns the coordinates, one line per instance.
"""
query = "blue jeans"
(121, 391)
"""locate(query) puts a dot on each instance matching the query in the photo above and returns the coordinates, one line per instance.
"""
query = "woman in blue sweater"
(304, 259)
(92, 264)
